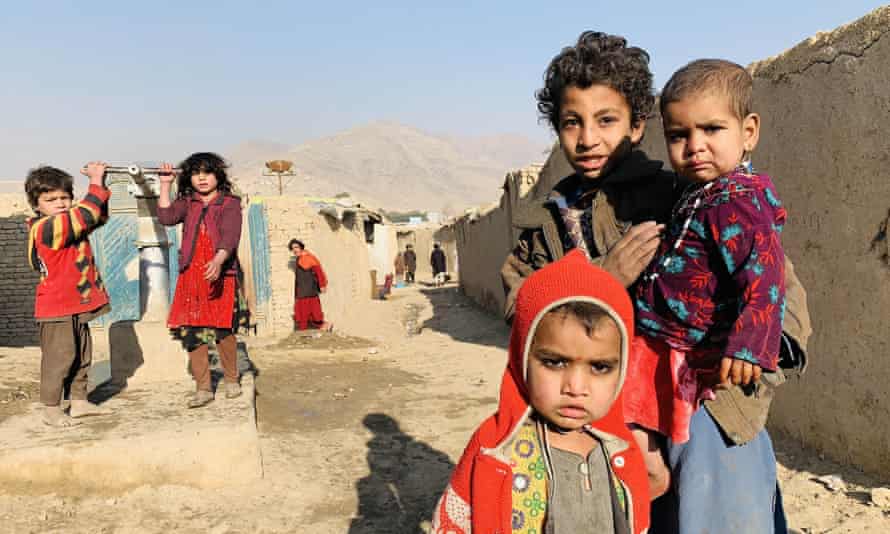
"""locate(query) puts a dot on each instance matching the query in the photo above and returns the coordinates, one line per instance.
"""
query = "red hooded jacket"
(478, 499)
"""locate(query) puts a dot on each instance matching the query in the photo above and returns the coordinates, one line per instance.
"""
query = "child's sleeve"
(230, 232)
(174, 213)
(319, 274)
(746, 235)
(59, 231)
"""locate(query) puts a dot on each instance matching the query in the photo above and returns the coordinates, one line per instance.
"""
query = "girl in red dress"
(204, 302)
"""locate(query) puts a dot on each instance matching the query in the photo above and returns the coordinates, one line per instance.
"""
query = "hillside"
(391, 165)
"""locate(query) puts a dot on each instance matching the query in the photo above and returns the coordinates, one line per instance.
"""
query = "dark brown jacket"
(640, 190)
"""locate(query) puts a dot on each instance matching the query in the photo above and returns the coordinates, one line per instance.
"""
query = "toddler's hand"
(166, 175)
(738, 372)
(95, 170)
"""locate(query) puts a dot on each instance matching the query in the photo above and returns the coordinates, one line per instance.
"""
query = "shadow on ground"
(407, 477)
(457, 316)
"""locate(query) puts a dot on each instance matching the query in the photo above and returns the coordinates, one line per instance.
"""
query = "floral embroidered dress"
(716, 288)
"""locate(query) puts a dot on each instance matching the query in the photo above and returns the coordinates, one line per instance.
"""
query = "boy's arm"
(750, 249)
(59, 231)
(519, 264)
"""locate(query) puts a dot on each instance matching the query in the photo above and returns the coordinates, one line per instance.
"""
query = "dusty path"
(359, 436)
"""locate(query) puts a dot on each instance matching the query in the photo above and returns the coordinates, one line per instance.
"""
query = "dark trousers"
(66, 354)
(409, 276)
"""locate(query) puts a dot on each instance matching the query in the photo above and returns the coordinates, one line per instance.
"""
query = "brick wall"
(17, 283)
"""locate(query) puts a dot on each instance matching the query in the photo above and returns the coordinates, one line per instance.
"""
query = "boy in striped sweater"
(70, 292)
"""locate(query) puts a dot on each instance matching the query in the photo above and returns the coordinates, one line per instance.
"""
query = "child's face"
(705, 139)
(53, 202)
(296, 250)
(204, 182)
(595, 128)
(572, 376)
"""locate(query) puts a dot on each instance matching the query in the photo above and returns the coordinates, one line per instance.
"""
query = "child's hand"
(633, 252)
(166, 175)
(95, 170)
(739, 372)
(214, 266)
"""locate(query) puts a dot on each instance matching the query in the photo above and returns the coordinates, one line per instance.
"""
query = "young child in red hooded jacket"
(557, 456)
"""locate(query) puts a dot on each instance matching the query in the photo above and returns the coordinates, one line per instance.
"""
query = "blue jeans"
(718, 487)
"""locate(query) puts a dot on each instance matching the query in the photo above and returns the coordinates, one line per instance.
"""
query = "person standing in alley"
(438, 263)
(410, 264)
(310, 282)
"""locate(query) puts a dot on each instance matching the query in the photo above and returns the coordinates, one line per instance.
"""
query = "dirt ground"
(360, 430)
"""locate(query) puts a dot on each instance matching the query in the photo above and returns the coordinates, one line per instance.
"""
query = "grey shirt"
(581, 495)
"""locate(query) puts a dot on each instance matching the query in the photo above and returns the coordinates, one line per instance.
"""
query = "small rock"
(111, 502)
(881, 497)
(833, 482)
(373, 350)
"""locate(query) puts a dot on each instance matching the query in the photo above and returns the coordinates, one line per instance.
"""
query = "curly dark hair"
(45, 179)
(292, 242)
(206, 162)
(598, 58)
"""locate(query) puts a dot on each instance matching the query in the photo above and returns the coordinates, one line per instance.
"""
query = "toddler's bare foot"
(54, 416)
(84, 408)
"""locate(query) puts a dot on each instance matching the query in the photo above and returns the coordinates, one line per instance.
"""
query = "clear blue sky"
(156, 80)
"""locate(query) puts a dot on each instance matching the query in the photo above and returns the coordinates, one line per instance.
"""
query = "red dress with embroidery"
(199, 302)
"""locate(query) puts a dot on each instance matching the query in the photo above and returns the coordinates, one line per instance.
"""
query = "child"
(557, 456)
(309, 282)
(204, 303)
(70, 292)
(711, 303)
(597, 95)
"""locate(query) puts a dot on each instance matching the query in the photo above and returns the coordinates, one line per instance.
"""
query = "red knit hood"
(572, 278)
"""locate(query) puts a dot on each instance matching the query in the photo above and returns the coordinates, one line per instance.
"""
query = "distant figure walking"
(309, 282)
(438, 262)
(410, 264)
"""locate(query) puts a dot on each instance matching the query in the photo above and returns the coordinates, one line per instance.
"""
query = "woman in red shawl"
(310, 281)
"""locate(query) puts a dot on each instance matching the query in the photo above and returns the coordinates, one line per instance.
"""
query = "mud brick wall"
(340, 247)
(17, 285)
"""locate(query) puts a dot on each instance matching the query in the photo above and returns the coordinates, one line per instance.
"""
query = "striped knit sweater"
(59, 249)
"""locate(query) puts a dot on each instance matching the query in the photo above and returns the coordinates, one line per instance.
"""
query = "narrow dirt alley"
(359, 432)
